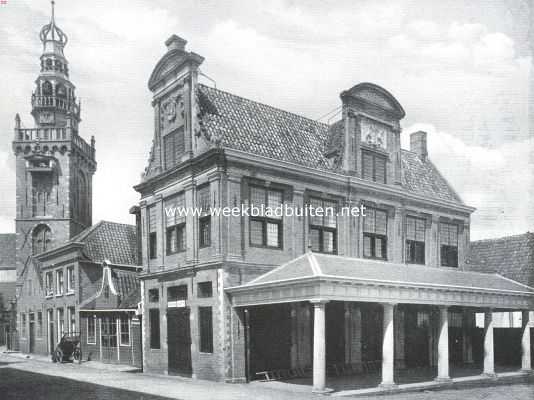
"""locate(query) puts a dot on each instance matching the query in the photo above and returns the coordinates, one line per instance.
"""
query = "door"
(32, 336)
(51, 331)
(179, 342)
(108, 339)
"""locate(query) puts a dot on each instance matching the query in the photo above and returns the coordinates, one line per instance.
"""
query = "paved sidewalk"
(165, 386)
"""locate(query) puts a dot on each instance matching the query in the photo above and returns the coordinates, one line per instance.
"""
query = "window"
(153, 316)
(204, 222)
(59, 282)
(323, 227)
(39, 323)
(49, 283)
(176, 293)
(60, 323)
(205, 289)
(152, 235)
(373, 166)
(415, 240)
(266, 228)
(448, 236)
(153, 295)
(206, 329)
(40, 239)
(23, 324)
(204, 231)
(91, 329)
(125, 330)
(71, 315)
(108, 335)
(70, 279)
(175, 224)
(375, 234)
(174, 147)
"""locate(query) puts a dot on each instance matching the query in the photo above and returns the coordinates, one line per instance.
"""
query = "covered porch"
(343, 323)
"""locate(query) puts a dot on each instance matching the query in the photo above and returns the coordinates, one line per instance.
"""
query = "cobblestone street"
(36, 379)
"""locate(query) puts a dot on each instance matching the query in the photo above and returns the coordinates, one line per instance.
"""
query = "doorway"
(51, 331)
(108, 339)
(179, 342)
(32, 333)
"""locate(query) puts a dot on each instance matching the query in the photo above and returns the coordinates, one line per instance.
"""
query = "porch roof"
(320, 276)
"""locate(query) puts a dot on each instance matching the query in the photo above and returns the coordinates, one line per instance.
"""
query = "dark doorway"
(51, 342)
(456, 344)
(179, 342)
(417, 336)
(371, 332)
(335, 332)
(507, 342)
(270, 338)
(32, 337)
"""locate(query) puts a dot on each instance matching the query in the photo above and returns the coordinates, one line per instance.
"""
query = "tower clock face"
(46, 118)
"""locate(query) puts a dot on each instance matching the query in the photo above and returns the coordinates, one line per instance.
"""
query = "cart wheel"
(58, 355)
(77, 354)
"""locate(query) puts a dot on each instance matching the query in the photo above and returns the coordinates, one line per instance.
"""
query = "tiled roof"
(338, 267)
(8, 245)
(109, 241)
(256, 128)
(127, 286)
(511, 256)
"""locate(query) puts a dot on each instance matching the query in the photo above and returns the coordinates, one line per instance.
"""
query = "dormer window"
(373, 166)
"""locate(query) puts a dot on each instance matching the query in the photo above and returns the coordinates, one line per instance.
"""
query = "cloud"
(498, 181)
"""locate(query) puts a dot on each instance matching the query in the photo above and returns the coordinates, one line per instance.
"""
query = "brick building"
(110, 322)
(59, 253)
(227, 297)
(8, 281)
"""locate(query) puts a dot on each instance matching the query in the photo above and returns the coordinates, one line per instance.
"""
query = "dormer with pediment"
(366, 141)
(172, 83)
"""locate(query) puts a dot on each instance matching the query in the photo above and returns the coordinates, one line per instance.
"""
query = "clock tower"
(54, 164)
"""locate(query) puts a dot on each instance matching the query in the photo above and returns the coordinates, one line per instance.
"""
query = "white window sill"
(69, 293)
(59, 295)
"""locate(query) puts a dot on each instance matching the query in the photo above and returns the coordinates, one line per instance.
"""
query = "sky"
(460, 69)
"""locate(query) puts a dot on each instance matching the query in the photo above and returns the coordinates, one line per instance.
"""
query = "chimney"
(418, 144)
(175, 42)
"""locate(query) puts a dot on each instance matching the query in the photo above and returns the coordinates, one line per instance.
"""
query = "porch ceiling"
(328, 277)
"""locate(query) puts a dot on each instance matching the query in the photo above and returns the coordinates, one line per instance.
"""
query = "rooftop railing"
(53, 135)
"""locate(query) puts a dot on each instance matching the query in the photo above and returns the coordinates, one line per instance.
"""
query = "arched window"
(82, 196)
(48, 64)
(40, 239)
(61, 90)
(47, 88)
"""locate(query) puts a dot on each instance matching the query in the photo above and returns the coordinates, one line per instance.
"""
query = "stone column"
(319, 346)
(443, 345)
(489, 361)
(388, 347)
(526, 363)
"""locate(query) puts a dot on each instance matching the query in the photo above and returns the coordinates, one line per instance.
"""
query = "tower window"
(40, 239)
(47, 89)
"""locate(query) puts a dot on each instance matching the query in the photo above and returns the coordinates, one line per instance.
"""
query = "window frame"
(323, 228)
(374, 155)
(265, 221)
(204, 237)
(152, 337)
(60, 284)
(49, 286)
(445, 250)
(181, 227)
(91, 318)
(374, 236)
(150, 298)
(121, 332)
(205, 330)
(201, 294)
(412, 244)
(70, 276)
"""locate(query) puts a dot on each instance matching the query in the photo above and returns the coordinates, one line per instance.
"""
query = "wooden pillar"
(388, 346)
(526, 362)
(443, 345)
(489, 356)
(319, 346)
